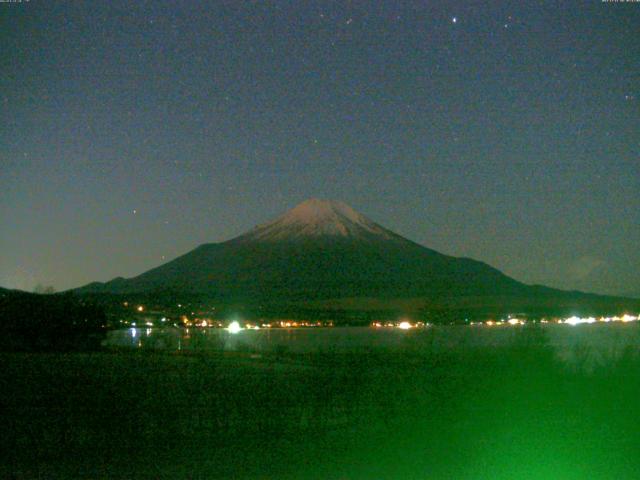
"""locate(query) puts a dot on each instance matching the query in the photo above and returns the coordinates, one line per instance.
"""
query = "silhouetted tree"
(49, 322)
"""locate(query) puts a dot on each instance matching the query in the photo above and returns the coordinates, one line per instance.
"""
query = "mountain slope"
(324, 250)
(319, 249)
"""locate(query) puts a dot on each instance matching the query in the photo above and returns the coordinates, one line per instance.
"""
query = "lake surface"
(589, 344)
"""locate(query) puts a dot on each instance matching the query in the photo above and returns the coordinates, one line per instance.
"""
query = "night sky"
(133, 131)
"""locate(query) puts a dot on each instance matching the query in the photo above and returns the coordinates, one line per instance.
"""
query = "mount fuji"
(326, 254)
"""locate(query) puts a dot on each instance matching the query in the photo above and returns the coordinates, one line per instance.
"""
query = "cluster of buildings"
(513, 321)
(573, 320)
(138, 315)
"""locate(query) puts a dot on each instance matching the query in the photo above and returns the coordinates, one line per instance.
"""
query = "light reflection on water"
(589, 344)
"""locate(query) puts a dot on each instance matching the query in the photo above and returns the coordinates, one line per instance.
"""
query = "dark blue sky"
(508, 132)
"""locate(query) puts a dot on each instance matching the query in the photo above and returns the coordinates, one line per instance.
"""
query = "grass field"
(470, 414)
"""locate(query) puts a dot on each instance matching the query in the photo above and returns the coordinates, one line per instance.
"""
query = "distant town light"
(404, 325)
(573, 321)
(577, 320)
(234, 327)
(140, 308)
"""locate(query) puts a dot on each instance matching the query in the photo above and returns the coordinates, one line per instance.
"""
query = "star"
(454, 20)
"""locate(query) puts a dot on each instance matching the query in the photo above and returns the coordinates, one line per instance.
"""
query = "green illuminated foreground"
(507, 413)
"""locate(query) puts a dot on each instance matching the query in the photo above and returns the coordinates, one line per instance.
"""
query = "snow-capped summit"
(318, 218)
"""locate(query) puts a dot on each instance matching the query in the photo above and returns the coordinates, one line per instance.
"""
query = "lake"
(589, 344)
